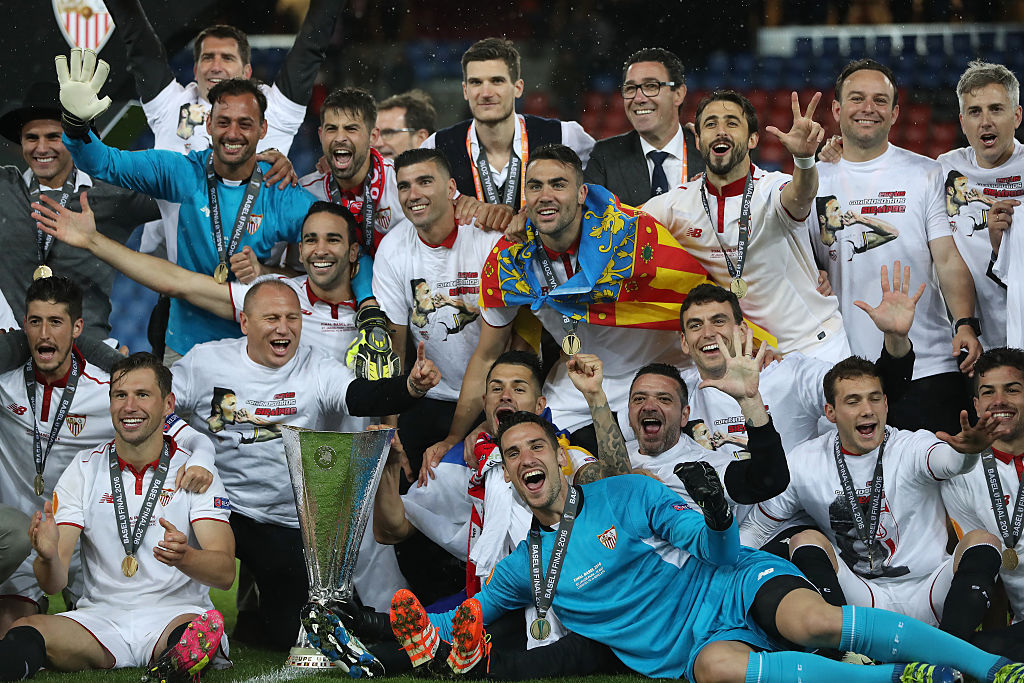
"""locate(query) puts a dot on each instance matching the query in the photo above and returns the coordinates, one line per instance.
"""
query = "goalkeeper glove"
(702, 483)
(79, 86)
(370, 354)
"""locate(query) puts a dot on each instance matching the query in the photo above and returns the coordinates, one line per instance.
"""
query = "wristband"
(803, 162)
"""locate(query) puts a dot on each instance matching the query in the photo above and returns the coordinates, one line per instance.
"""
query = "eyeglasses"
(391, 132)
(648, 88)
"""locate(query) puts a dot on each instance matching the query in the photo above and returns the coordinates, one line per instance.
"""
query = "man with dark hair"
(747, 227)
(35, 126)
(889, 552)
(404, 121)
(984, 192)
(898, 195)
(658, 154)
(219, 52)
(489, 152)
(987, 499)
(146, 600)
(219, 189)
(719, 610)
(55, 407)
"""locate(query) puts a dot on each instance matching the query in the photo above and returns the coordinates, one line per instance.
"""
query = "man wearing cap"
(35, 126)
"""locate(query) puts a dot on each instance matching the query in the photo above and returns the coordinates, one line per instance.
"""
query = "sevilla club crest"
(84, 23)
(608, 538)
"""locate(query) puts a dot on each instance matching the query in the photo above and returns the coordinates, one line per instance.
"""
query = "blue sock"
(889, 637)
(802, 667)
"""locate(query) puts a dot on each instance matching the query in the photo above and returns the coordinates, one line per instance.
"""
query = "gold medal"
(540, 628)
(1010, 559)
(38, 484)
(221, 273)
(129, 565)
(570, 346)
(41, 272)
(738, 287)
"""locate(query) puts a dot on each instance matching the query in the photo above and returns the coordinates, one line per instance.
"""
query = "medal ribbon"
(1009, 529)
(568, 324)
(482, 170)
(131, 539)
(252, 191)
(544, 588)
(735, 271)
(373, 184)
(866, 531)
(38, 454)
(43, 241)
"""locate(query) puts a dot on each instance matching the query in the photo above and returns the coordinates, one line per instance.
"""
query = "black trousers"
(933, 403)
(273, 555)
(422, 426)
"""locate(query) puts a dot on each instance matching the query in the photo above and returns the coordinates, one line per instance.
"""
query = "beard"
(723, 166)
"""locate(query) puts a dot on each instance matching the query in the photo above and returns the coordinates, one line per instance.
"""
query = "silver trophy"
(334, 477)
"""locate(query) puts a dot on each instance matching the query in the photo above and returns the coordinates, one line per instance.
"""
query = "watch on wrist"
(973, 322)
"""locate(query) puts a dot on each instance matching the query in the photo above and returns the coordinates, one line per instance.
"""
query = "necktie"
(659, 181)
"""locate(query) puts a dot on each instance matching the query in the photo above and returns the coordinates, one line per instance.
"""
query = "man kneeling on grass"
(671, 592)
(146, 599)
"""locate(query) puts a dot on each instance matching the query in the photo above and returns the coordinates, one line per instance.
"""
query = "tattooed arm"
(585, 371)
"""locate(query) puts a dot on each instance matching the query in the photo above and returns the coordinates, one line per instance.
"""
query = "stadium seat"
(935, 43)
(830, 46)
(804, 47)
(883, 48)
(858, 48)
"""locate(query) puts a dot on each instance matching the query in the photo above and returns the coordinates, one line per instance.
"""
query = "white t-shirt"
(241, 404)
(177, 117)
(779, 268)
(686, 450)
(622, 350)
(911, 538)
(970, 507)
(83, 498)
(435, 291)
(968, 219)
(389, 214)
(7, 319)
(902, 192)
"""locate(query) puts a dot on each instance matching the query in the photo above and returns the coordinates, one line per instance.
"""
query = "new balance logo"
(16, 409)
(106, 498)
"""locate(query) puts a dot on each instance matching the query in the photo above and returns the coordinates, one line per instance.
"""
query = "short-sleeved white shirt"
(623, 351)
(968, 503)
(968, 220)
(903, 190)
(779, 268)
(434, 290)
(308, 391)
(177, 116)
(685, 450)
(912, 525)
(7, 319)
(83, 498)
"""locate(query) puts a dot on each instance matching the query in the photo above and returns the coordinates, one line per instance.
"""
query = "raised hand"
(803, 138)
(894, 314)
(76, 228)
(79, 86)
(705, 488)
(975, 439)
(245, 265)
(424, 375)
(742, 366)
(586, 373)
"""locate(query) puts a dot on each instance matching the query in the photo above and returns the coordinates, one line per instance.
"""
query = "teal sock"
(889, 637)
(803, 667)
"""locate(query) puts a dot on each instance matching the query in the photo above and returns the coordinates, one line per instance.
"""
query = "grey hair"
(979, 74)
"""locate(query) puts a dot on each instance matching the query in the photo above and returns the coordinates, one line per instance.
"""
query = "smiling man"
(658, 154)
(276, 381)
(404, 121)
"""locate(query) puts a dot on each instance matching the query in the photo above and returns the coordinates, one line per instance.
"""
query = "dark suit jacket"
(618, 164)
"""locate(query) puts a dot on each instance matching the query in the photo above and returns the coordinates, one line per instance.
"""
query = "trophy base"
(310, 659)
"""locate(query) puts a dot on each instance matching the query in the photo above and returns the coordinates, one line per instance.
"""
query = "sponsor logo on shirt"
(679, 507)
(106, 498)
(221, 502)
(765, 573)
(16, 409)
(608, 538)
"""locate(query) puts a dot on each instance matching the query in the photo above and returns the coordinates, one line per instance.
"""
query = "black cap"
(41, 101)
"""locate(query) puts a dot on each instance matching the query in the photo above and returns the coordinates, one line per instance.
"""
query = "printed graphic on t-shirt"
(959, 196)
(714, 440)
(852, 550)
(189, 117)
(224, 411)
(864, 230)
(445, 307)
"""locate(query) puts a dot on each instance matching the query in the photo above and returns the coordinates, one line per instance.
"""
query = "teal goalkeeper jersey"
(644, 575)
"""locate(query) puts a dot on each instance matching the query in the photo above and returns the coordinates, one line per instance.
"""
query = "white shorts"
(921, 599)
(132, 636)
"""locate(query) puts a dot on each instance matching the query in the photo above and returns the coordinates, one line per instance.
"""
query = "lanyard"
(570, 342)
(43, 241)
(131, 539)
(482, 180)
(252, 191)
(544, 587)
(1009, 528)
(38, 454)
(735, 271)
(866, 531)
(369, 202)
